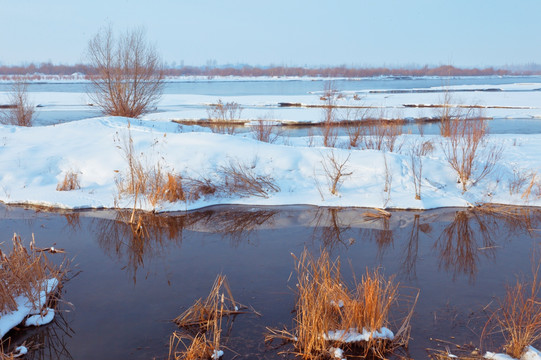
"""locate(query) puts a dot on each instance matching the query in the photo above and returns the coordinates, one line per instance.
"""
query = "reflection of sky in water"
(129, 288)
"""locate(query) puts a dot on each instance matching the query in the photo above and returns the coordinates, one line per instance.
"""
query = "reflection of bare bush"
(330, 228)
(235, 224)
(463, 240)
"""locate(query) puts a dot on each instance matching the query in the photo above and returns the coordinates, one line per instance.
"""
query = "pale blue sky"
(359, 33)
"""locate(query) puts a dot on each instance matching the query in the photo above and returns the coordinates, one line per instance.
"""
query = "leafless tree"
(130, 75)
(20, 111)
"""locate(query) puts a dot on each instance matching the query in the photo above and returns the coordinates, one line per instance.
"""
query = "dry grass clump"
(25, 272)
(241, 179)
(219, 303)
(329, 314)
(147, 181)
(70, 182)
(518, 317)
(204, 319)
(195, 347)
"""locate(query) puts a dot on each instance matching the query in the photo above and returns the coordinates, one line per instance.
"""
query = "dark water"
(128, 289)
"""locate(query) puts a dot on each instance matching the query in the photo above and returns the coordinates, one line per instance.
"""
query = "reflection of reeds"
(327, 307)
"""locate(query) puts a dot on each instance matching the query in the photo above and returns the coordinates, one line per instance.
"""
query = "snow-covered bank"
(34, 160)
(26, 308)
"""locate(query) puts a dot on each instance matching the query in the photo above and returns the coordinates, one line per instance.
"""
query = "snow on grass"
(10, 319)
(354, 336)
(530, 353)
(34, 160)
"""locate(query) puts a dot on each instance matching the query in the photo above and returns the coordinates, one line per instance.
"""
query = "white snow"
(10, 319)
(217, 354)
(38, 320)
(21, 350)
(353, 335)
(530, 353)
(34, 160)
(337, 353)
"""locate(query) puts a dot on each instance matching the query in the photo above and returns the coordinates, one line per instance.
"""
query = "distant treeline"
(337, 71)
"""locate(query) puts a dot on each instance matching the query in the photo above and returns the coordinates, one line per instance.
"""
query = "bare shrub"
(354, 119)
(518, 317)
(462, 149)
(416, 153)
(129, 80)
(70, 182)
(335, 170)
(388, 182)
(382, 134)
(240, 179)
(21, 110)
(197, 188)
(265, 130)
(329, 129)
(446, 113)
(224, 117)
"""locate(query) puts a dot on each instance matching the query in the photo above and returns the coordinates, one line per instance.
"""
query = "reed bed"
(518, 317)
(202, 324)
(331, 316)
(25, 273)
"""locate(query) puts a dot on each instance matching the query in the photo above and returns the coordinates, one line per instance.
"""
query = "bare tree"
(20, 111)
(129, 73)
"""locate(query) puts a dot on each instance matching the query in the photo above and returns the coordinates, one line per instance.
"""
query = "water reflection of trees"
(236, 225)
(118, 238)
(330, 228)
(135, 245)
(474, 233)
